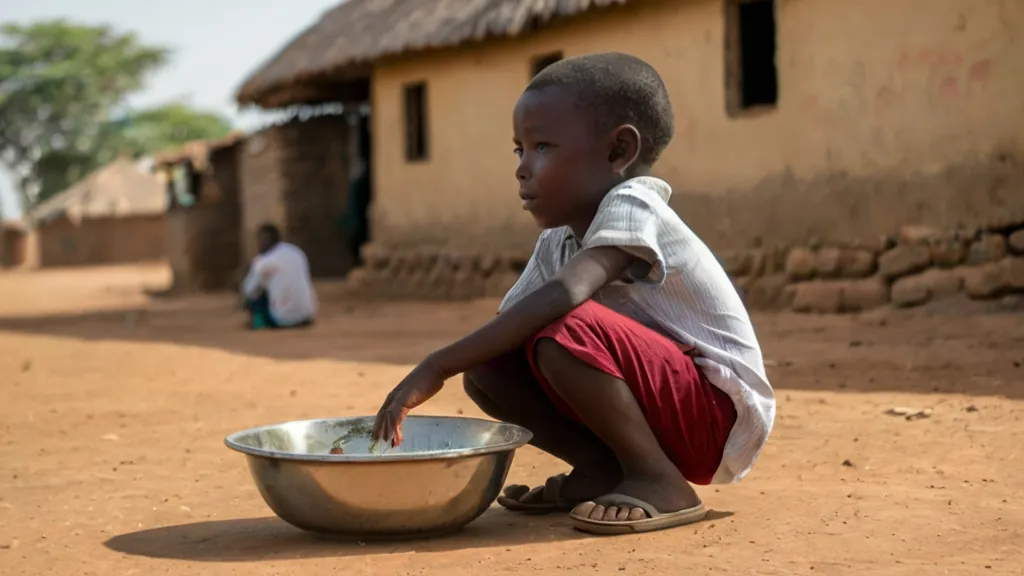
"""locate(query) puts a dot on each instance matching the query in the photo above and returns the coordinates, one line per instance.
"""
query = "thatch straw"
(197, 151)
(119, 189)
(350, 36)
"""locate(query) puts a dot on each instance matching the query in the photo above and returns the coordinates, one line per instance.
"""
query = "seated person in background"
(278, 290)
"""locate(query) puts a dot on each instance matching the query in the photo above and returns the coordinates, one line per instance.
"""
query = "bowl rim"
(231, 442)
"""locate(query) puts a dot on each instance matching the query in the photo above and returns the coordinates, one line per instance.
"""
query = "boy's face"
(264, 242)
(564, 166)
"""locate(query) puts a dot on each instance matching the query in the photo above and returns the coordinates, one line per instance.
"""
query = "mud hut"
(114, 215)
(204, 219)
(794, 120)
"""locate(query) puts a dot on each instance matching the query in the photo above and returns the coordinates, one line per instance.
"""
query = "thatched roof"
(350, 36)
(13, 225)
(198, 151)
(119, 189)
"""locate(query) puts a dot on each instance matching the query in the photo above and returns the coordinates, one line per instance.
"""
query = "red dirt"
(114, 406)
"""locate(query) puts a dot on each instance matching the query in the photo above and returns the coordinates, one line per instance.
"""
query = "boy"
(624, 346)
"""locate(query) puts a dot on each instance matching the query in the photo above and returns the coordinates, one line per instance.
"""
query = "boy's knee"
(548, 354)
(476, 380)
(468, 384)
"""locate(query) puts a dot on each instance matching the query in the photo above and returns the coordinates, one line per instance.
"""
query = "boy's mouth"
(528, 200)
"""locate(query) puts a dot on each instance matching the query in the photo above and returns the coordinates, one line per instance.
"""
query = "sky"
(216, 44)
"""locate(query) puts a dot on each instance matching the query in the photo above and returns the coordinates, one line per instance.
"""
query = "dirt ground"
(113, 407)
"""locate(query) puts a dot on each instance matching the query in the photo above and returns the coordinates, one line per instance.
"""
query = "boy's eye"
(541, 147)
(518, 151)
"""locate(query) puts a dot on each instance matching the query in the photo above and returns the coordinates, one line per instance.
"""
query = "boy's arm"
(257, 277)
(575, 283)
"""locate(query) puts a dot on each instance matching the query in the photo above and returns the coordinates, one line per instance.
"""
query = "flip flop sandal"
(655, 520)
(540, 503)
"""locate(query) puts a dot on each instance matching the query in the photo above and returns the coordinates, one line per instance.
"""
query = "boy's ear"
(625, 148)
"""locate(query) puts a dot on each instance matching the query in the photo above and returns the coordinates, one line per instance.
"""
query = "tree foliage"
(63, 88)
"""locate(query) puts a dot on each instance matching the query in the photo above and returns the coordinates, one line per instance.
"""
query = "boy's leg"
(259, 312)
(643, 397)
(506, 390)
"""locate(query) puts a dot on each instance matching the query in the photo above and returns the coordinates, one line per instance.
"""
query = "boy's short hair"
(617, 89)
(270, 231)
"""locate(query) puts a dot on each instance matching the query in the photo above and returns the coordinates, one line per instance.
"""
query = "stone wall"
(429, 274)
(296, 176)
(918, 265)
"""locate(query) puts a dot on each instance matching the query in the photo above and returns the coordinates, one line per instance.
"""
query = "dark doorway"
(357, 217)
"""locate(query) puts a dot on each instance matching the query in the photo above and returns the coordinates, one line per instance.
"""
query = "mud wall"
(204, 240)
(14, 244)
(205, 246)
(98, 241)
(296, 176)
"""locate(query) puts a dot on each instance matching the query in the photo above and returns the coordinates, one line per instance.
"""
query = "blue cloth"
(261, 318)
(259, 312)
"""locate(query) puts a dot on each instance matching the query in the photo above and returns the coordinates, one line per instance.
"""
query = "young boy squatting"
(624, 346)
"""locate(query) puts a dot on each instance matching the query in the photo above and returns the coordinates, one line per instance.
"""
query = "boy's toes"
(516, 491)
(589, 510)
(627, 513)
(636, 514)
(594, 511)
(525, 494)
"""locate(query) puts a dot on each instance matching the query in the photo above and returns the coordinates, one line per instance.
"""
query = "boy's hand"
(419, 386)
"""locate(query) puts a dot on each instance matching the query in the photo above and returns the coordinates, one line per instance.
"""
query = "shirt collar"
(657, 185)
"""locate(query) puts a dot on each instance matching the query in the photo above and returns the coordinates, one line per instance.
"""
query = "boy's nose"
(522, 173)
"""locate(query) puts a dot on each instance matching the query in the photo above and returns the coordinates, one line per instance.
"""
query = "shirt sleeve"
(534, 275)
(628, 219)
(254, 279)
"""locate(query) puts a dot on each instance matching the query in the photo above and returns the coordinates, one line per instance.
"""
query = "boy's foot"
(560, 493)
(636, 506)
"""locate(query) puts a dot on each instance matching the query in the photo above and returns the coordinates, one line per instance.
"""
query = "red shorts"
(690, 417)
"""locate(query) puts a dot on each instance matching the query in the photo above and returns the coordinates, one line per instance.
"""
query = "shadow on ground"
(946, 348)
(255, 539)
(352, 332)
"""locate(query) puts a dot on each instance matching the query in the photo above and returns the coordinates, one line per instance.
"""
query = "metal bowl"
(445, 474)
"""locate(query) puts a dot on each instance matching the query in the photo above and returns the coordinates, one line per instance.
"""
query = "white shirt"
(686, 296)
(283, 272)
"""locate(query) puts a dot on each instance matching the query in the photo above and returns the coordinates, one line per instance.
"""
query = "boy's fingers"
(382, 426)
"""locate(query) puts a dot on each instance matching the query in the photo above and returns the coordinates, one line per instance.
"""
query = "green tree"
(134, 134)
(62, 92)
(152, 130)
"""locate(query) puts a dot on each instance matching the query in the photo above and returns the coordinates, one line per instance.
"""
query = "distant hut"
(114, 215)
(12, 243)
(204, 220)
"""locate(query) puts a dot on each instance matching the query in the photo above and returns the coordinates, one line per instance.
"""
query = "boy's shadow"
(254, 539)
